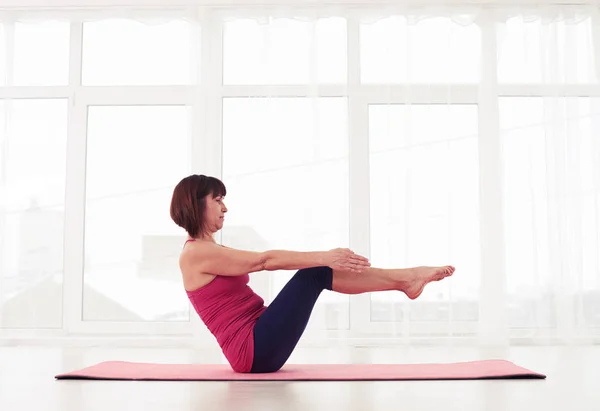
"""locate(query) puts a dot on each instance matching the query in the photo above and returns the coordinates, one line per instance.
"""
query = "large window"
(536, 52)
(399, 50)
(33, 145)
(41, 45)
(32, 189)
(119, 52)
(468, 140)
(135, 156)
(550, 151)
(425, 206)
(286, 166)
(285, 51)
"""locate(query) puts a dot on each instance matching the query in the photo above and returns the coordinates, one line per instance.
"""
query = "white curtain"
(550, 151)
(416, 136)
(480, 133)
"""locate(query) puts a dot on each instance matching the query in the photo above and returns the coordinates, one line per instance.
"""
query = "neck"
(204, 237)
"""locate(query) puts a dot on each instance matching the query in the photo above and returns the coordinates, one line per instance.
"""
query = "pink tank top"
(229, 308)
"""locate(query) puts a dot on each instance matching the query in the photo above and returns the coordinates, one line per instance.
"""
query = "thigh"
(281, 325)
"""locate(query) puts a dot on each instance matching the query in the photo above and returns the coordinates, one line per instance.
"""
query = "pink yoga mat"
(118, 370)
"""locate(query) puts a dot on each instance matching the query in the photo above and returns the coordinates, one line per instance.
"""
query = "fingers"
(359, 259)
(348, 260)
(352, 255)
(357, 265)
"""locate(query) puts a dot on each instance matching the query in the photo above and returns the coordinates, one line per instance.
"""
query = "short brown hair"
(188, 201)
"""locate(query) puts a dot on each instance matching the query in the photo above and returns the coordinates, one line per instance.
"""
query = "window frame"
(206, 99)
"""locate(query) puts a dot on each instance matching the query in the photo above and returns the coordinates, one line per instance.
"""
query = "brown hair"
(188, 201)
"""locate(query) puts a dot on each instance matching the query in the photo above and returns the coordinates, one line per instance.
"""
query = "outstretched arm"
(293, 260)
(217, 260)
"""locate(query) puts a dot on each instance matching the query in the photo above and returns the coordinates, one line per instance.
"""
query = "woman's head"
(197, 205)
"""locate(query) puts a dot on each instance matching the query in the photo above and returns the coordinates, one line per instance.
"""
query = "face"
(214, 213)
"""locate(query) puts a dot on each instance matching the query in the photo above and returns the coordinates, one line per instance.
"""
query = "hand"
(343, 259)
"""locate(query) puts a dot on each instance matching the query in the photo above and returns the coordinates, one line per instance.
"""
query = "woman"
(255, 338)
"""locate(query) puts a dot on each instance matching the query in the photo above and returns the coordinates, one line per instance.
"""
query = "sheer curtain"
(468, 138)
(285, 144)
(550, 150)
(415, 136)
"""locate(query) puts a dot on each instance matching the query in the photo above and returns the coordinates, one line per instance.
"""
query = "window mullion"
(359, 173)
(74, 217)
(492, 294)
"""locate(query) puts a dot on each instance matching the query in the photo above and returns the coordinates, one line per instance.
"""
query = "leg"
(280, 327)
(411, 281)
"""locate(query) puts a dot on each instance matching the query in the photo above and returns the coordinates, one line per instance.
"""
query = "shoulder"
(199, 249)
(190, 261)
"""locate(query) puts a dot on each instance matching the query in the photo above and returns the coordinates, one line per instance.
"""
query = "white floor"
(27, 382)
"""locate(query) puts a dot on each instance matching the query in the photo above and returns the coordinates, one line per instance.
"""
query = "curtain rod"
(85, 4)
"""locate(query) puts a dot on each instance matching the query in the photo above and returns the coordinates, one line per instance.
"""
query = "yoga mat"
(489, 369)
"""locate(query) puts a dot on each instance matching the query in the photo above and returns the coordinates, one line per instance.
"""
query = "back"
(230, 308)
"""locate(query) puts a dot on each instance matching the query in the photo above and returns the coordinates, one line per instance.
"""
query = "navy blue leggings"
(281, 325)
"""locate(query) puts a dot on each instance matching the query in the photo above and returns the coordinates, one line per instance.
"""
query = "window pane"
(552, 206)
(425, 205)
(41, 54)
(136, 155)
(124, 52)
(434, 50)
(537, 52)
(285, 51)
(295, 199)
(32, 191)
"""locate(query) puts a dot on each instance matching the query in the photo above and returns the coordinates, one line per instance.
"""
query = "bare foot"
(419, 277)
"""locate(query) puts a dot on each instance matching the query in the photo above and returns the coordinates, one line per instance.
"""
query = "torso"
(192, 278)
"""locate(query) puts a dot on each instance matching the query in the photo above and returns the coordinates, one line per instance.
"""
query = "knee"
(315, 272)
(321, 275)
